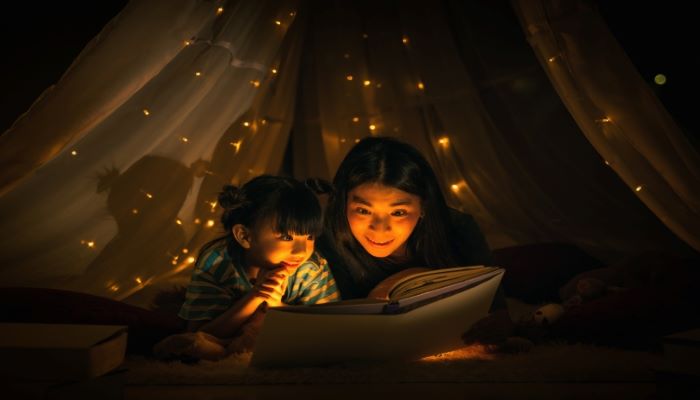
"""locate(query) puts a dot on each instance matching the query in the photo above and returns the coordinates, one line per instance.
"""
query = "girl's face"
(270, 249)
(382, 218)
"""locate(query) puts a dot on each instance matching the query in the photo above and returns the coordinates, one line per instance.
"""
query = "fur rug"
(544, 363)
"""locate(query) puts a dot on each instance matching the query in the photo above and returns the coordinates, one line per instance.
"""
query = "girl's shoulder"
(315, 263)
(213, 256)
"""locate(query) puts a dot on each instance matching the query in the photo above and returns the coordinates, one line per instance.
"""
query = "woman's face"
(382, 218)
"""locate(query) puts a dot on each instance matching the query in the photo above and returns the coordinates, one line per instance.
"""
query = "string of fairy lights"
(184, 259)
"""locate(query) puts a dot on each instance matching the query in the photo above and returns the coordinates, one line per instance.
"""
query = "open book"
(414, 316)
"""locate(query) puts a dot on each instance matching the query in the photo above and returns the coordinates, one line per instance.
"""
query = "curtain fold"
(616, 110)
(117, 205)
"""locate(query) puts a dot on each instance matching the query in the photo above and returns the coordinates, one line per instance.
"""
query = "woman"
(386, 213)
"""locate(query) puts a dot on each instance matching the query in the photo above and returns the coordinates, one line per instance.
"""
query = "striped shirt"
(217, 283)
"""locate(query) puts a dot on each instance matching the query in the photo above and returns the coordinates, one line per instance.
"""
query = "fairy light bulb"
(74, 153)
(638, 188)
(190, 260)
(421, 86)
(146, 112)
(134, 211)
(355, 119)
(367, 83)
(187, 43)
(274, 70)
(404, 40)
(210, 223)
(372, 127)
(197, 221)
(255, 83)
(349, 77)
(660, 79)
(236, 145)
(552, 59)
(219, 11)
(184, 139)
(197, 73)
(246, 124)
(178, 221)
(278, 23)
(185, 250)
(455, 188)
(444, 141)
(138, 280)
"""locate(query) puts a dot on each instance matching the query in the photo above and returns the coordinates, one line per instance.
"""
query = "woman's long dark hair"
(289, 205)
(392, 163)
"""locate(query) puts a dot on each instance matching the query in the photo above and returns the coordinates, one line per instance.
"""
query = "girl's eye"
(362, 211)
(286, 237)
(399, 213)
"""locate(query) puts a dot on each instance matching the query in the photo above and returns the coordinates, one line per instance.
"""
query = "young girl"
(386, 214)
(266, 258)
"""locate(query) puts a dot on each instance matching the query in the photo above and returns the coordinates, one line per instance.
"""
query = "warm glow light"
(146, 112)
(638, 188)
(138, 280)
(357, 140)
(184, 139)
(274, 70)
(187, 43)
(355, 119)
(114, 288)
(551, 59)
(236, 145)
(421, 86)
(293, 13)
(150, 196)
(213, 205)
(372, 127)
(405, 40)
(379, 85)
(367, 83)
(255, 83)
(246, 123)
(219, 11)
(74, 153)
(263, 121)
(660, 79)
(342, 140)
(606, 119)
(197, 73)
(178, 221)
(365, 36)
(197, 221)
(210, 223)
(349, 77)
(444, 141)
(134, 211)
(455, 188)
(278, 23)
(190, 260)
(606, 162)
(185, 251)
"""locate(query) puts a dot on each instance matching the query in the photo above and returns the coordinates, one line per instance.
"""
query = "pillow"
(535, 272)
(53, 306)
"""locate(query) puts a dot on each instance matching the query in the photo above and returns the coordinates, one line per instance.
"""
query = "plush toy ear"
(242, 235)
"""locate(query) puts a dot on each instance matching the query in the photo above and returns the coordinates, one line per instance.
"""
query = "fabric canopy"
(109, 181)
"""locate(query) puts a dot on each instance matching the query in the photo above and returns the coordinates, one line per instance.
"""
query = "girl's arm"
(226, 325)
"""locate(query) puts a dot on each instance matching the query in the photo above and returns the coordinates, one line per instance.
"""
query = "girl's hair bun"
(230, 197)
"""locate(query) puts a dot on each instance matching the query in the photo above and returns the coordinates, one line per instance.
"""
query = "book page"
(431, 280)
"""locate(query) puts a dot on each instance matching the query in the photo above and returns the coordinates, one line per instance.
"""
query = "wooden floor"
(427, 391)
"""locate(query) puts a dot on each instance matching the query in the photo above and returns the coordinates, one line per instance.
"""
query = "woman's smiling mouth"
(381, 244)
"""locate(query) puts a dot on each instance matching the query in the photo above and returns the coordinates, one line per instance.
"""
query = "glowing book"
(407, 318)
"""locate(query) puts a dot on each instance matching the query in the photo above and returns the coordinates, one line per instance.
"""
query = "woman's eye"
(362, 211)
(311, 237)
(399, 213)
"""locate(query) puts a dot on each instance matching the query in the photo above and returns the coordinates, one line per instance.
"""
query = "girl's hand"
(271, 285)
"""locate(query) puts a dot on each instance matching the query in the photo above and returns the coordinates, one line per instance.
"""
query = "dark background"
(41, 41)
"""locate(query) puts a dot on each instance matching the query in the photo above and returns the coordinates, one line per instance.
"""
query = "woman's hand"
(271, 285)
(492, 329)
